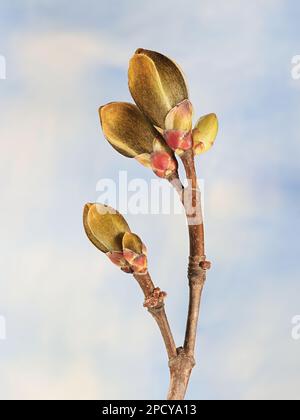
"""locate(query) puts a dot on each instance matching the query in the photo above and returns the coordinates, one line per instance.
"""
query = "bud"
(156, 298)
(180, 117)
(117, 258)
(109, 232)
(178, 127)
(135, 253)
(163, 165)
(156, 84)
(163, 161)
(131, 134)
(179, 141)
(126, 129)
(205, 133)
(104, 227)
(205, 265)
(88, 231)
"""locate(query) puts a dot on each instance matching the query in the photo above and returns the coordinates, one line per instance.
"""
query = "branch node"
(205, 265)
(197, 270)
(182, 360)
(155, 300)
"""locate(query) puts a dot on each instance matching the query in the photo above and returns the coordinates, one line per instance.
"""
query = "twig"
(154, 302)
(182, 360)
(181, 367)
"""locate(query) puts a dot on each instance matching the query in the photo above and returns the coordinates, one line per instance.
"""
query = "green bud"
(105, 227)
(156, 84)
(205, 133)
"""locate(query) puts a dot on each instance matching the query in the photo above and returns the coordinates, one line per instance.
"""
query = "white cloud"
(61, 59)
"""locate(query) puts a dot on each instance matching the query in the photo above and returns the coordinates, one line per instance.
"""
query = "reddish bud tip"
(129, 256)
(179, 141)
(205, 265)
(138, 263)
(117, 258)
(160, 160)
(163, 164)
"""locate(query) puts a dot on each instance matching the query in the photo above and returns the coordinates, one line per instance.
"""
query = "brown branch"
(154, 302)
(197, 263)
(176, 184)
(180, 371)
(181, 367)
(181, 360)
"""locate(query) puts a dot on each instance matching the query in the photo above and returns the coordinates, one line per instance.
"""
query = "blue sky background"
(69, 332)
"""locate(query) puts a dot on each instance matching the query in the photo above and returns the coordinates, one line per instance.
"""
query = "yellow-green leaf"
(88, 231)
(105, 227)
(180, 117)
(127, 129)
(133, 243)
(156, 84)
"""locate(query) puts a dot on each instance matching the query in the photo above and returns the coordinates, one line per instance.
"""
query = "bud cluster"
(152, 131)
(109, 232)
(161, 122)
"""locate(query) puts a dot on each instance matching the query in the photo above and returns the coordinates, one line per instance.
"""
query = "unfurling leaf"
(156, 84)
(205, 133)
